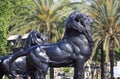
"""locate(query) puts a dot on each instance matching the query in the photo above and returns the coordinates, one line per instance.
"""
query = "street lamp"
(98, 70)
(92, 65)
(87, 71)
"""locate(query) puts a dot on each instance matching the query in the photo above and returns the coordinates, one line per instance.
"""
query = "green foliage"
(3, 34)
(117, 49)
(67, 69)
(5, 15)
(117, 54)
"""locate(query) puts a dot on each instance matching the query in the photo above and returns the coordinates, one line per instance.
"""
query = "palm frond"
(97, 42)
(106, 48)
(117, 41)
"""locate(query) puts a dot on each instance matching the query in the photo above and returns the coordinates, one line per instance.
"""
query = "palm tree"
(107, 27)
(41, 16)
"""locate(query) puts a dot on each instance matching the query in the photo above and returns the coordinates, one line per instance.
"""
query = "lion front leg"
(78, 69)
(39, 75)
(41, 71)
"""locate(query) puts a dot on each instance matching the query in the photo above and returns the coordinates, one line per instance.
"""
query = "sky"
(88, 3)
(70, 0)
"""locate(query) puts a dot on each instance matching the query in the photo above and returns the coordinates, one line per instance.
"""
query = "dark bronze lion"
(73, 50)
(20, 66)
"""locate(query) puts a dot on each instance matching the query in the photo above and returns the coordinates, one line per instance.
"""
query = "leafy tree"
(3, 34)
(5, 15)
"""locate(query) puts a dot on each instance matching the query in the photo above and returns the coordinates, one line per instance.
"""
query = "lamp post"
(98, 70)
(87, 72)
(92, 65)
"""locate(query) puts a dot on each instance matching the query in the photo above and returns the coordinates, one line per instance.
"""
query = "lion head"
(79, 23)
(35, 38)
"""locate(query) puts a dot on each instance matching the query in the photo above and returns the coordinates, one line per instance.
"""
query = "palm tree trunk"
(102, 64)
(48, 31)
(112, 55)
